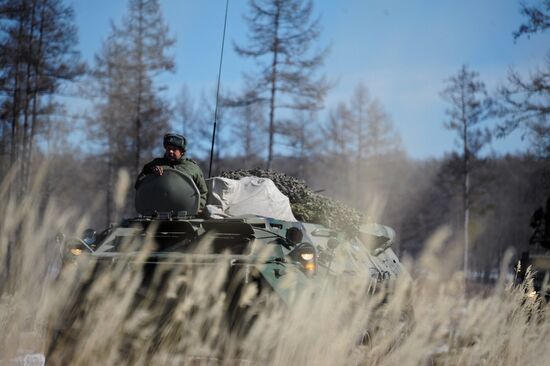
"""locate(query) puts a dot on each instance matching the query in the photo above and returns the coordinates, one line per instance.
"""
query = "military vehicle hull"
(256, 245)
(280, 258)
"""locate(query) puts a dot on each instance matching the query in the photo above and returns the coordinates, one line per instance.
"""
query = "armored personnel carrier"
(247, 223)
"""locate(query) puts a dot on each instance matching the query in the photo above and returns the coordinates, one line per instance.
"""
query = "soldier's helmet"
(174, 139)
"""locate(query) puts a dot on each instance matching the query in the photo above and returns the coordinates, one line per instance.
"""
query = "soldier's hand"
(157, 170)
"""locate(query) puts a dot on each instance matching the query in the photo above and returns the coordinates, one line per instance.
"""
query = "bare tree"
(469, 106)
(185, 111)
(110, 125)
(524, 102)
(538, 19)
(369, 128)
(361, 134)
(337, 150)
(304, 139)
(204, 128)
(336, 134)
(357, 120)
(38, 40)
(281, 36)
(195, 123)
(382, 138)
(248, 124)
(145, 40)
(130, 113)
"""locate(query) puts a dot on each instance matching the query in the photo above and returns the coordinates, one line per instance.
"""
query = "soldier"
(174, 157)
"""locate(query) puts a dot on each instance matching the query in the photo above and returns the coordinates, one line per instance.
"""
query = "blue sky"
(402, 50)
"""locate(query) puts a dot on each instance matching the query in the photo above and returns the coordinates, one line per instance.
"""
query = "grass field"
(77, 316)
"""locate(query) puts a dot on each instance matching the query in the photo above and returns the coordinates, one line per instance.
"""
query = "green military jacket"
(185, 165)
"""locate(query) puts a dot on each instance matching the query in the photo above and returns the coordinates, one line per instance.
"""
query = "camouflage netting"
(307, 205)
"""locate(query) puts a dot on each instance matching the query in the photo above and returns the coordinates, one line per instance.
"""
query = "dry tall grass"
(80, 314)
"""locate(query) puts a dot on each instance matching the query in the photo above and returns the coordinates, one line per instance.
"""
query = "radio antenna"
(218, 93)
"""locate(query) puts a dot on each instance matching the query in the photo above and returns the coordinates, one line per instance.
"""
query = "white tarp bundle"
(247, 196)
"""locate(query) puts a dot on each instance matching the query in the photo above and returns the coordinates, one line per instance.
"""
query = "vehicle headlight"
(307, 256)
(76, 251)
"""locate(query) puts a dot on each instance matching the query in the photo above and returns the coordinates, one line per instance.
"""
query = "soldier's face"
(173, 153)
